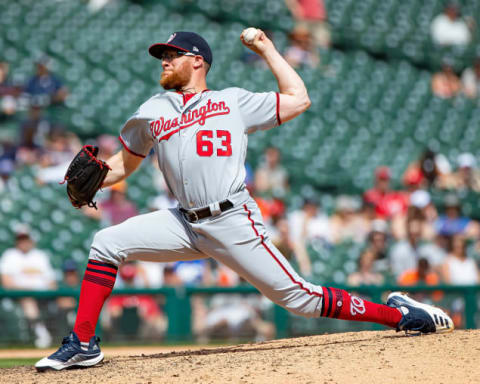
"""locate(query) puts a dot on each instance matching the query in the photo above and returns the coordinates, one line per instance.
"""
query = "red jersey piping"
(128, 149)
(278, 109)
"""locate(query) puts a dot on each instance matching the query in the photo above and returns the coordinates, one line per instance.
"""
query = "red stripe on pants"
(275, 258)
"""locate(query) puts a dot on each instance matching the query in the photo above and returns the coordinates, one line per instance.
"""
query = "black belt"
(194, 215)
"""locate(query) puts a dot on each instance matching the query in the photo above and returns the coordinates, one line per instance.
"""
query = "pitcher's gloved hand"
(85, 176)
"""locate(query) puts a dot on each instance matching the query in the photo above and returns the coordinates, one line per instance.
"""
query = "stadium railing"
(178, 307)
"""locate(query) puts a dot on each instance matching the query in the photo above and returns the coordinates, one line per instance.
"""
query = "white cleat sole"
(443, 322)
(46, 363)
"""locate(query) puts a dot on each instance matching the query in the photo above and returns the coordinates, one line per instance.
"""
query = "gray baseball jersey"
(201, 143)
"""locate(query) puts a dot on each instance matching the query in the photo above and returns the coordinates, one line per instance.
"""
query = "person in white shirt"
(27, 268)
(459, 268)
(307, 224)
(404, 254)
(471, 80)
(449, 29)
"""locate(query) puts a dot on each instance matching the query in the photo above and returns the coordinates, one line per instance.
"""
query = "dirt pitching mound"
(362, 357)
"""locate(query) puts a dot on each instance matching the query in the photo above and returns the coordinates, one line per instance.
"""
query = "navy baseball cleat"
(71, 355)
(418, 317)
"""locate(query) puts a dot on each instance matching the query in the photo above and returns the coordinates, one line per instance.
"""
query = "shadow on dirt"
(264, 346)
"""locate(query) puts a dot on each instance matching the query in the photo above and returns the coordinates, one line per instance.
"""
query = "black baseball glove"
(85, 176)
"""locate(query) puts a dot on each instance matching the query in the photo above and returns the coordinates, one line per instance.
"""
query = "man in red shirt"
(311, 15)
(387, 203)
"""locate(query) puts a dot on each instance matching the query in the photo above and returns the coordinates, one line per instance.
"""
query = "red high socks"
(339, 304)
(97, 285)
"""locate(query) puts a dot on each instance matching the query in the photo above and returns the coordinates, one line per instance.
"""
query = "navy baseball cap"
(184, 41)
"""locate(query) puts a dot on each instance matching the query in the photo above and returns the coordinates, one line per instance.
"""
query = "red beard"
(177, 79)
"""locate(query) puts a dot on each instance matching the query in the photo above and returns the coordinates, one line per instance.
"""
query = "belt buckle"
(195, 216)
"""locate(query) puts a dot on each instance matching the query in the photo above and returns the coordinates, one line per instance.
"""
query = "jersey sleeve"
(259, 110)
(135, 135)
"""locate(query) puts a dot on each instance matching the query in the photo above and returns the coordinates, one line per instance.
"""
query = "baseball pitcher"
(200, 138)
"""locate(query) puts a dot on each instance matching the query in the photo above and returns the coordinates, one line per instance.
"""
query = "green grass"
(10, 363)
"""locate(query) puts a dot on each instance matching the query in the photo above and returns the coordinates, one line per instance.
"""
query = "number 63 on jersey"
(210, 142)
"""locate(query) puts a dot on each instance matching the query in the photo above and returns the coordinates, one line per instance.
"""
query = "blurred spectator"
(449, 29)
(413, 179)
(301, 52)
(170, 278)
(7, 166)
(152, 272)
(404, 254)
(377, 246)
(270, 208)
(305, 225)
(445, 83)
(116, 209)
(367, 214)
(70, 279)
(420, 208)
(35, 129)
(365, 274)
(67, 305)
(250, 176)
(235, 316)
(467, 176)
(281, 238)
(428, 170)
(309, 222)
(428, 165)
(97, 5)
(270, 186)
(312, 16)
(230, 315)
(422, 274)
(452, 222)
(471, 80)
(60, 148)
(421, 201)
(130, 275)
(459, 268)
(193, 272)
(271, 178)
(225, 277)
(345, 224)
(8, 93)
(107, 146)
(134, 314)
(27, 268)
(387, 203)
(45, 88)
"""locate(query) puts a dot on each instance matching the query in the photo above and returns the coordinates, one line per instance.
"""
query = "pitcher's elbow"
(306, 103)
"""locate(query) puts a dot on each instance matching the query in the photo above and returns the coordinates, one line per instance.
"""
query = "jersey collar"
(188, 96)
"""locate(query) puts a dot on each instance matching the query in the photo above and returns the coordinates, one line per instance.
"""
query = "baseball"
(249, 35)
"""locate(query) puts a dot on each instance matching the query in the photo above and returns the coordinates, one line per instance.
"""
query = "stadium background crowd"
(407, 223)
